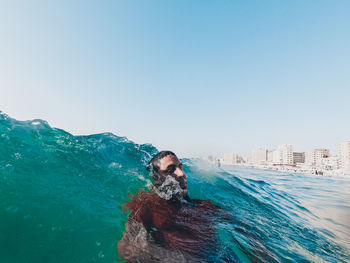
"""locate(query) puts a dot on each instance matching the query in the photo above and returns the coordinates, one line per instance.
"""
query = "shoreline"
(311, 171)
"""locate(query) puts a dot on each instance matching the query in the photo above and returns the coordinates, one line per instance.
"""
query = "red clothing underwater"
(186, 227)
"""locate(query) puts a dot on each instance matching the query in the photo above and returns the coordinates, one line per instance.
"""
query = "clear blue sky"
(195, 77)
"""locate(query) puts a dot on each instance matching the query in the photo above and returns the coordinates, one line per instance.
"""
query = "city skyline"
(284, 158)
(295, 150)
(197, 78)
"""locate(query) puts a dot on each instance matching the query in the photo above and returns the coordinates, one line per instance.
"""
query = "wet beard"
(170, 189)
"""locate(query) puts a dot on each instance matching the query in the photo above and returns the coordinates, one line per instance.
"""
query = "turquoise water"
(61, 197)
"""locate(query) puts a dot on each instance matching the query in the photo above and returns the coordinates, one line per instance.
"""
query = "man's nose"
(178, 172)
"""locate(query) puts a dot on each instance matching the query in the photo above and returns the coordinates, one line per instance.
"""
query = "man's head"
(167, 173)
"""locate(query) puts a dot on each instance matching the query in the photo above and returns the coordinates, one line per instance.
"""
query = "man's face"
(171, 166)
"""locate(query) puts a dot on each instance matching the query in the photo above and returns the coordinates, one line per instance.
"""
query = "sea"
(62, 196)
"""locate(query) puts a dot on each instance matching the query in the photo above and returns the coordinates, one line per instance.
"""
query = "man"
(165, 225)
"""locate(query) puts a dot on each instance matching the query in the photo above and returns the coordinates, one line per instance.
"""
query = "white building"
(344, 155)
(269, 156)
(320, 154)
(277, 157)
(330, 163)
(249, 160)
(283, 154)
(316, 156)
(310, 157)
(230, 158)
(259, 156)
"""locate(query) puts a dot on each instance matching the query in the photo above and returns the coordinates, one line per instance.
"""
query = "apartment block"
(259, 156)
(298, 157)
(344, 155)
(230, 158)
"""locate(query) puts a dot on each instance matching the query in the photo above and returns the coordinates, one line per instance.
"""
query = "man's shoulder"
(142, 199)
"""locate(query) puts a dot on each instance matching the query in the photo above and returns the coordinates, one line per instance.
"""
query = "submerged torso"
(187, 227)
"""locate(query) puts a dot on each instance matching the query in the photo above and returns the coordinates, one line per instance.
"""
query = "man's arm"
(135, 247)
(134, 244)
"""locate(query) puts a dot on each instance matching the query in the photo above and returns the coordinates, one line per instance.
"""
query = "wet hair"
(153, 166)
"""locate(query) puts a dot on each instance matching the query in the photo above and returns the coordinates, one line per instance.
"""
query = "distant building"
(310, 157)
(269, 156)
(298, 157)
(330, 163)
(344, 155)
(249, 159)
(230, 158)
(283, 154)
(277, 157)
(315, 157)
(320, 154)
(259, 156)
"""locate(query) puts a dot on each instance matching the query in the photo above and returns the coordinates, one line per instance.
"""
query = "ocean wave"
(61, 199)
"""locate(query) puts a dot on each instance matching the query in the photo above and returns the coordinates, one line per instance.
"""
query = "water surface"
(61, 197)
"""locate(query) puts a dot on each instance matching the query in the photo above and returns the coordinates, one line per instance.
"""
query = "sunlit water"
(61, 197)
